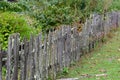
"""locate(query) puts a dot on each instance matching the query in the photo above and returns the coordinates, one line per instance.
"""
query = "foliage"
(54, 16)
(3, 71)
(13, 23)
(65, 71)
(15, 7)
(54, 12)
(115, 5)
(51, 13)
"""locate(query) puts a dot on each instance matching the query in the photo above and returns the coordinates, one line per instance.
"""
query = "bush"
(15, 7)
(115, 5)
(52, 13)
(13, 23)
(53, 16)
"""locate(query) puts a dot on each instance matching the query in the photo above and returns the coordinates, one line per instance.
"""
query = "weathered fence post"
(49, 51)
(45, 56)
(53, 54)
(36, 58)
(24, 59)
(8, 75)
(32, 62)
(16, 56)
(68, 45)
(60, 48)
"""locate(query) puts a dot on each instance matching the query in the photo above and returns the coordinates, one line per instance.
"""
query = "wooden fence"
(42, 57)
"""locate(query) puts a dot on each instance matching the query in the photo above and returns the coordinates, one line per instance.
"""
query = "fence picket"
(9, 66)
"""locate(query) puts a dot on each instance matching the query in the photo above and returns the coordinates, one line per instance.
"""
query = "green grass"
(104, 60)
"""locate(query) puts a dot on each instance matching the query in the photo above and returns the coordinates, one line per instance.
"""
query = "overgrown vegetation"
(56, 12)
(14, 7)
(13, 23)
(52, 13)
(48, 14)
(115, 5)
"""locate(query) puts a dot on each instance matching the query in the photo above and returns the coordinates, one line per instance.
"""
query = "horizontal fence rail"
(43, 57)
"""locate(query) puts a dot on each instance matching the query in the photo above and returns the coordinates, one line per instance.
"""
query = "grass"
(101, 64)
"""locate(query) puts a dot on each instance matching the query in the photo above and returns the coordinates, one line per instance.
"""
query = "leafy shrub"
(115, 5)
(15, 7)
(54, 16)
(13, 23)
(52, 13)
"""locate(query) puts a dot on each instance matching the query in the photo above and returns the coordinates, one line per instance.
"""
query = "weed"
(65, 71)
